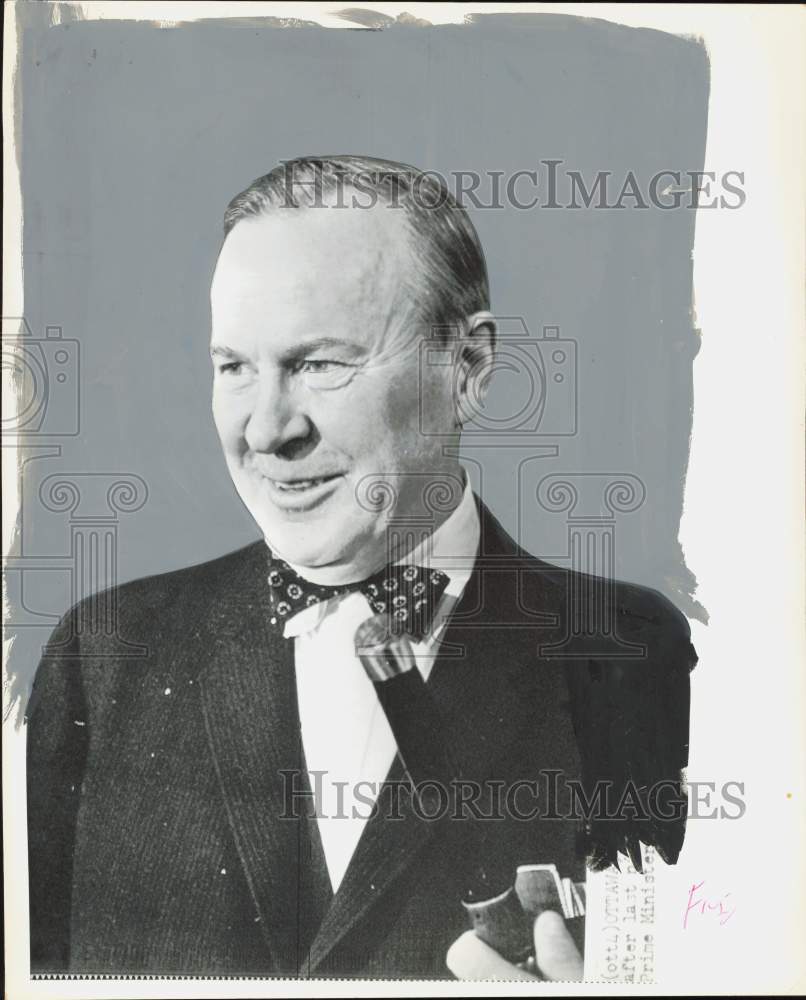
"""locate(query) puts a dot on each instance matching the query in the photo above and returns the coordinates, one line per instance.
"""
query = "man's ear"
(474, 364)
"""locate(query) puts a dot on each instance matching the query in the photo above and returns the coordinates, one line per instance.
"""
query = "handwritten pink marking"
(701, 905)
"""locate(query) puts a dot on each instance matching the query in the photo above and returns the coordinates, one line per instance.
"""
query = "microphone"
(491, 902)
(412, 714)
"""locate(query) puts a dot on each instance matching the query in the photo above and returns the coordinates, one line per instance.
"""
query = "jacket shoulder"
(580, 603)
(133, 625)
(643, 615)
(152, 606)
(201, 577)
(175, 593)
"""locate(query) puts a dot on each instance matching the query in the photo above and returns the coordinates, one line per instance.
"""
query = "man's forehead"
(298, 248)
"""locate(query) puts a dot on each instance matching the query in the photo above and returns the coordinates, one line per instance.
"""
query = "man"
(164, 833)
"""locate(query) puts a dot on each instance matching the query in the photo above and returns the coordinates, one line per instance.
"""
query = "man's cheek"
(223, 418)
(231, 440)
(231, 426)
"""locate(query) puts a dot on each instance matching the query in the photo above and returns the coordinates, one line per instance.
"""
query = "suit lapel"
(384, 852)
(249, 703)
(484, 716)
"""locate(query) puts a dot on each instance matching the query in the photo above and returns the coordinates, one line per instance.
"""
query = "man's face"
(316, 389)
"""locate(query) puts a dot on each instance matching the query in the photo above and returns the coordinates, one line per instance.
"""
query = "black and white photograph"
(403, 549)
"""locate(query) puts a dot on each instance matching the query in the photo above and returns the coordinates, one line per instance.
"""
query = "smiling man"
(164, 828)
(317, 323)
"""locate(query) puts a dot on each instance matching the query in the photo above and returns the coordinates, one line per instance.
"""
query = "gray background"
(132, 140)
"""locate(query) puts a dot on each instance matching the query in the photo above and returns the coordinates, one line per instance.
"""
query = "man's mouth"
(297, 495)
(300, 485)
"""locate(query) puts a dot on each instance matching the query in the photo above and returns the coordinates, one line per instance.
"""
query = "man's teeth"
(301, 484)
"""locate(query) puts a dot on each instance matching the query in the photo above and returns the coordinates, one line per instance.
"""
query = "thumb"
(471, 959)
(556, 953)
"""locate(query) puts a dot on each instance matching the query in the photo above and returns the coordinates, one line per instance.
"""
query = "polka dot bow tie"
(408, 594)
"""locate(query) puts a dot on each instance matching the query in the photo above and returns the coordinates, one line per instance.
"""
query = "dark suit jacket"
(155, 794)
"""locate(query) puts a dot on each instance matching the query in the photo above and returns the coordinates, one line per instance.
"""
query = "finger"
(556, 954)
(470, 958)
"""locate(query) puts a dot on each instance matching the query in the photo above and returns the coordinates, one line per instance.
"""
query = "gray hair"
(444, 242)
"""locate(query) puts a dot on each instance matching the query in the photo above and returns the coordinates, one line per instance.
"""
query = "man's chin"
(332, 552)
(328, 569)
(309, 541)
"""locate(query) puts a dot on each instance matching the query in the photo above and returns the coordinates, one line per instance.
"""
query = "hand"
(556, 955)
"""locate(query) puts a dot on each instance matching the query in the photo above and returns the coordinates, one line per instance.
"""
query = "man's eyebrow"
(317, 343)
(221, 351)
(297, 350)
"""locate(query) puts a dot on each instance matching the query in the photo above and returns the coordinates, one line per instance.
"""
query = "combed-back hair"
(445, 248)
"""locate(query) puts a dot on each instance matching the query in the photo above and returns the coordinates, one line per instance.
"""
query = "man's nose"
(276, 419)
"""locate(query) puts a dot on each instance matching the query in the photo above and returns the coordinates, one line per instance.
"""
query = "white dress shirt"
(344, 731)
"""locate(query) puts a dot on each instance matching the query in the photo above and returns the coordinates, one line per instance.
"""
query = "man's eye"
(316, 366)
(324, 373)
(230, 368)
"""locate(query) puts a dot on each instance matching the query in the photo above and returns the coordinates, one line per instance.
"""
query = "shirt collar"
(452, 548)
